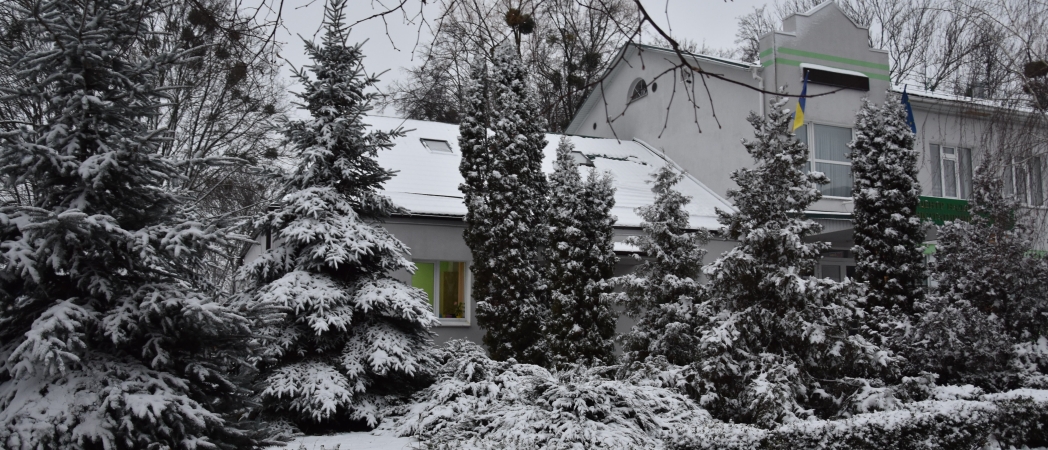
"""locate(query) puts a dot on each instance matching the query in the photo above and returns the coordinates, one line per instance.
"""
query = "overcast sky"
(712, 21)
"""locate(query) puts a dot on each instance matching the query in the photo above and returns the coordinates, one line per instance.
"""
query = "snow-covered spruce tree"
(506, 197)
(581, 259)
(991, 292)
(352, 336)
(888, 248)
(109, 336)
(776, 343)
(661, 293)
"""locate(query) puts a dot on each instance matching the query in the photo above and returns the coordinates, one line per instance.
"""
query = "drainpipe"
(760, 85)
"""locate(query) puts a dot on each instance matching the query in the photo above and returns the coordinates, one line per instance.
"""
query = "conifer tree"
(662, 292)
(888, 234)
(581, 259)
(352, 336)
(777, 343)
(109, 336)
(991, 292)
(506, 196)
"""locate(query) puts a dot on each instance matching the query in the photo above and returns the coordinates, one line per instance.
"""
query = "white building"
(650, 115)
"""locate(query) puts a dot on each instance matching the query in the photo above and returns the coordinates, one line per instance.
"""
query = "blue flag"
(909, 111)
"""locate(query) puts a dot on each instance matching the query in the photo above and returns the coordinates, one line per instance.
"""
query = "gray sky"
(712, 21)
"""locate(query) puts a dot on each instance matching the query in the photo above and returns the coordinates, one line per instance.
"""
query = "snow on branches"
(888, 234)
(581, 258)
(505, 193)
(109, 335)
(350, 337)
(777, 345)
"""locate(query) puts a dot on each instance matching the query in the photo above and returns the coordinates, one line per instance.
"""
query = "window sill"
(453, 323)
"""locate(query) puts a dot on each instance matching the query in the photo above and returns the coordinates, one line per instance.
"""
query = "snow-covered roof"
(916, 93)
(427, 182)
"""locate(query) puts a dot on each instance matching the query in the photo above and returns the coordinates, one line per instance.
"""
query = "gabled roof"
(427, 182)
(595, 95)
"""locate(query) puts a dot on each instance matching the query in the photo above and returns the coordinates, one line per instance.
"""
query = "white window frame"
(1010, 178)
(425, 143)
(809, 131)
(449, 322)
(959, 174)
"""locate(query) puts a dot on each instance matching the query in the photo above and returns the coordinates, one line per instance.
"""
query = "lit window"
(436, 146)
(638, 90)
(830, 156)
(951, 171)
(1023, 180)
(445, 284)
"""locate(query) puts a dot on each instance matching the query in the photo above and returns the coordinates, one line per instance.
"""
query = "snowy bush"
(486, 403)
(986, 322)
(1014, 418)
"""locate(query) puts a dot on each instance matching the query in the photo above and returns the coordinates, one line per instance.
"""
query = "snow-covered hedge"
(1012, 418)
(485, 403)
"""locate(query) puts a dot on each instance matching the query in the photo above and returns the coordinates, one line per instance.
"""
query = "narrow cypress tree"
(506, 195)
(662, 292)
(352, 336)
(110, 337)
(775, 335)
(888, 234)
(581, 258)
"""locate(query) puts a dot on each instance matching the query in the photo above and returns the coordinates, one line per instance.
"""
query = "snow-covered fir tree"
(581, 259)
(776, 344)
(991, 294)
(352, 336)
(889, 237)
(110, 337)
(506, 197)
(662, 292)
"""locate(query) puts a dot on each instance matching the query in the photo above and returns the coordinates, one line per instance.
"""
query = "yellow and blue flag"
(909, 111)
(798, 118)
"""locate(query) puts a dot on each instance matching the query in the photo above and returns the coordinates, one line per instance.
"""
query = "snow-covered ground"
(378, 440)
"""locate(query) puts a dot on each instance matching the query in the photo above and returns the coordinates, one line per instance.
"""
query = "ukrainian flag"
(798, 118)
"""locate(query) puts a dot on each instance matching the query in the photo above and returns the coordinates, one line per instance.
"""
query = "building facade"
(649, 113)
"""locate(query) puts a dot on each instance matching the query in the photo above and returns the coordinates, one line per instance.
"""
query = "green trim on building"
(761, 55)
(941, 210)
(831, 58)
(792, 62)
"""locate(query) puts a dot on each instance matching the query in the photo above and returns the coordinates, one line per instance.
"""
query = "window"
(951, 171)
(581, 159)
(837, 265)
(638, 90)
(436, 146)
(1023, 179)
(445, 283)
(830, 156)
(830, 76)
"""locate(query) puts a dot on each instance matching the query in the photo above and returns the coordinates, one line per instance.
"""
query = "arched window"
(638, 90)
